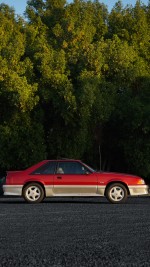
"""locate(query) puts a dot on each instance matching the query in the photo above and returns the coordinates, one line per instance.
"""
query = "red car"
(66, 178)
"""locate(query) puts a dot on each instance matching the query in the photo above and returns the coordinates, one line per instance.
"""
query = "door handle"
(59, 177)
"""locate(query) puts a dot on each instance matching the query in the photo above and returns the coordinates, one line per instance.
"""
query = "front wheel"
(33, 193)
(116, 193)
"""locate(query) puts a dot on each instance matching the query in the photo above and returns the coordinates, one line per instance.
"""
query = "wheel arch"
(117, 182)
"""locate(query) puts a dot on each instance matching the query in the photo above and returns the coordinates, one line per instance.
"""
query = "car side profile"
(67, 178)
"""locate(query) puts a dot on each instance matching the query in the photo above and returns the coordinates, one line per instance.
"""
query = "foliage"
(74, 77)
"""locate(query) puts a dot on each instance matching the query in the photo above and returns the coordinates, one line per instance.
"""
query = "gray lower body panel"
(74, 190)
(138, 190)
(12, 190)
(16, 190)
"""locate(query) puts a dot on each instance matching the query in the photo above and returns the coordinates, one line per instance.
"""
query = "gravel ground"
(74, 232)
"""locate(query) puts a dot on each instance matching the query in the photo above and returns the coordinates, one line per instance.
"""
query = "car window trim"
(64, 161)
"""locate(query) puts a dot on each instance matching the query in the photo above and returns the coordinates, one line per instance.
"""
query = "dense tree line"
(74, 78)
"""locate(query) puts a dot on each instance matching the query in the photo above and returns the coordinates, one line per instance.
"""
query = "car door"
(72, 178)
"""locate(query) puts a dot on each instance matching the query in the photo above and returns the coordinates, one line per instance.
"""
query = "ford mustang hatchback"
(66, 178)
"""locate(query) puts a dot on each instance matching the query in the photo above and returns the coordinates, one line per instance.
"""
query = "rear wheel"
(116, 193)
(33, 193)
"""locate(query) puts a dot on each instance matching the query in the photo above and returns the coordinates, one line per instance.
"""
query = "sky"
(20, 5)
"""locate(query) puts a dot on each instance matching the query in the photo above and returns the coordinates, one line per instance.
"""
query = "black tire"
(33, 193)
(116, 193)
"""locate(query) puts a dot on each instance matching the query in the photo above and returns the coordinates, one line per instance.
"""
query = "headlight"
(141, 181)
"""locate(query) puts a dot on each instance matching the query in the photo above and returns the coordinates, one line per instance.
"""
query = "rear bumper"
(136, 190)
(12, 190)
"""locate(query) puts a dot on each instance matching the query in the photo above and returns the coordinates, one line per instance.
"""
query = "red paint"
(95, 178)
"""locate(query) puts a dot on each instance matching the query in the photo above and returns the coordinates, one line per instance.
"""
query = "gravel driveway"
(75, 232)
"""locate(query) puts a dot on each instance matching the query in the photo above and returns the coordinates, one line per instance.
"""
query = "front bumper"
(137, 190)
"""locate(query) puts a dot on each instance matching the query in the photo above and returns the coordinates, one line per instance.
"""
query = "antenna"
(100, 158)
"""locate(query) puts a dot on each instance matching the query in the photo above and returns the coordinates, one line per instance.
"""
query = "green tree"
(67, 67)
(74, 77)
(18, 95)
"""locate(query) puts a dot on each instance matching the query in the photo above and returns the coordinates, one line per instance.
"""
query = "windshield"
(88, 167)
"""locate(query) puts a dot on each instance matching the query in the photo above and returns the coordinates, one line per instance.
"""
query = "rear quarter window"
(47, 168)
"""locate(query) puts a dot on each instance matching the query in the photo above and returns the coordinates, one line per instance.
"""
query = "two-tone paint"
(91, 184)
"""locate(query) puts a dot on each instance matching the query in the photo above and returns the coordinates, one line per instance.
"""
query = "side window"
(48, 168)
(71, 168)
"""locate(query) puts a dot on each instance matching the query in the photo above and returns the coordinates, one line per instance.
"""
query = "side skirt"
(74, 190)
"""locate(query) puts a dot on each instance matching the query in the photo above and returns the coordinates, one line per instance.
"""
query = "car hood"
(116, 174)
